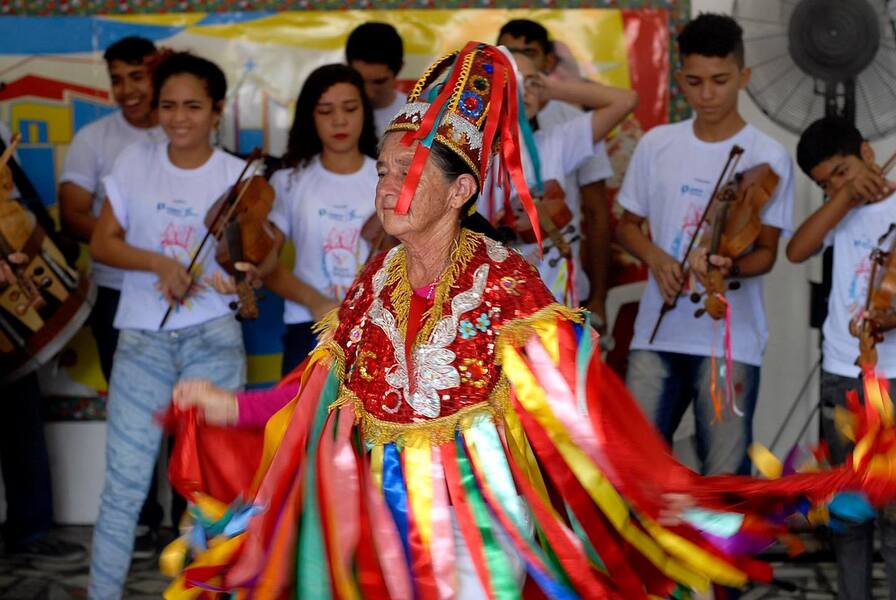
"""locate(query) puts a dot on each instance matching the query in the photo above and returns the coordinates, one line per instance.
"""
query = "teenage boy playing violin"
(859, 209)
(668, 184)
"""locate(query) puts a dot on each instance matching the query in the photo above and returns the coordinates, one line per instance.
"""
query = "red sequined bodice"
(454, 365)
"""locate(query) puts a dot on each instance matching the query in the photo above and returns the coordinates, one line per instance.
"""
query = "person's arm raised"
(610, 105)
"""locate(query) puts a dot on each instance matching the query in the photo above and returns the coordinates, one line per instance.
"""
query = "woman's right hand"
(174, 281)
(668, 275)
(217, 406)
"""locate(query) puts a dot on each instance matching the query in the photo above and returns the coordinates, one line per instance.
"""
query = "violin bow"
(230, 206)
(726, 175)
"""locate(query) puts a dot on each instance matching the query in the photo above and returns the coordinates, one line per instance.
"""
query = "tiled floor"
(32, 580)
(813, 575)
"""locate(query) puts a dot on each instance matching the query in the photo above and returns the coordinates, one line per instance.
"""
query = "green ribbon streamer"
(503, 582)
(590, 550)
(312, 574)
(496, 471)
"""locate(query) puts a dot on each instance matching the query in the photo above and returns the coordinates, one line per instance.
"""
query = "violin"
(879, 298)
(736, 225)
(881, 289)
(553, 218)
(726, 178)
(238, 224)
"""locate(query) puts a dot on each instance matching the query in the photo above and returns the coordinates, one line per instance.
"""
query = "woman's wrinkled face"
(433, 201)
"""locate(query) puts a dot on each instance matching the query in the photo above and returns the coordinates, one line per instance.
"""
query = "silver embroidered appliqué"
(434, 368)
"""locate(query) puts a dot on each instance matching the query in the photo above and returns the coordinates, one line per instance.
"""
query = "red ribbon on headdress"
(430, 121)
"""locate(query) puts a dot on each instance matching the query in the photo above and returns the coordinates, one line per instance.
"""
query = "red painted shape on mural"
(43, 87)
(647, 45)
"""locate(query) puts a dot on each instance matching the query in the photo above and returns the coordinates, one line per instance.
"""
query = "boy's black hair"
(530, 31)
(180, 63)
(826, 138)
(377, 43)
(712, 34)
(304, 142)
(131, 50)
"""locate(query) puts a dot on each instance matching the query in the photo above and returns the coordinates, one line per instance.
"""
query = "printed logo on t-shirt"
(180, 242)
(686, 230)
(858, 284)
(341, 247)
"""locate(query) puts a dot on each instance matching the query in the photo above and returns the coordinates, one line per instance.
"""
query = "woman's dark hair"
(185, 63)
(304, 142)
(453, 166)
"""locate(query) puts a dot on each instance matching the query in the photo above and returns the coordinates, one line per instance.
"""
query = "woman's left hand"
(225, 284)
(217, 406)
(699, 260)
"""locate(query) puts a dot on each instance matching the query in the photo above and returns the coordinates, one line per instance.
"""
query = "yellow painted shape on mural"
(164, 20)
(86, 367)
(57, 118)
(263, 368)
(595, 36)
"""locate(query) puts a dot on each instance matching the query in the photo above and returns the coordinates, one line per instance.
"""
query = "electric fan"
(812, 58)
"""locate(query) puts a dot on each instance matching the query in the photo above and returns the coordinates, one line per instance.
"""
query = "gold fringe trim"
(334, 357)
(326, 327)
(461, 254)
(400, 296)
(435, 431)
(517, 332)
(344, 398)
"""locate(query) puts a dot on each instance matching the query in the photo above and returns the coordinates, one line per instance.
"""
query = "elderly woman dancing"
(455, 431)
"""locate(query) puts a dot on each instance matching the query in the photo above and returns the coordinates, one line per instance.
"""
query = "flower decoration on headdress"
(470, 102)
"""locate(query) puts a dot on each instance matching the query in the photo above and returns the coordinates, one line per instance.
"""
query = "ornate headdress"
(469, 101)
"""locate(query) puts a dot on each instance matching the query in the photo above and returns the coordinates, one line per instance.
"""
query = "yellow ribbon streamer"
(695, 566)
(417, 459)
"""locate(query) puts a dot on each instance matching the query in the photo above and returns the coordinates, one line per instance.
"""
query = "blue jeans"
(146, 367)
(854, 547)
(666, 383)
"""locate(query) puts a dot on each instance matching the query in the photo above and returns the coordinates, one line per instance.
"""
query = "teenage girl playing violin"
(859, 209)
(157, 198)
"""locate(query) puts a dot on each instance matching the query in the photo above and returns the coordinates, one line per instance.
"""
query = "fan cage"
(794, 99)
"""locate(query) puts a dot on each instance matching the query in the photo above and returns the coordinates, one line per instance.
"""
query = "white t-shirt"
(598, 166)
(383, 116)
(562, 149)
(854, 237)
(322, 213)
(162, 208)
(90, 157)
(669, 180)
